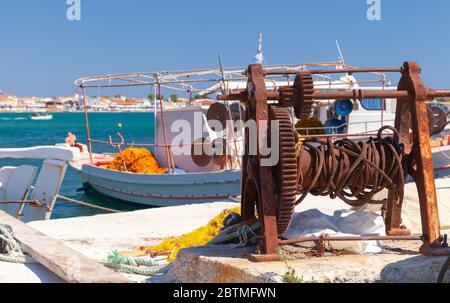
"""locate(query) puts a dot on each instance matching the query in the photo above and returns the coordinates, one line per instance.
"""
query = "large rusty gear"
(285, 173)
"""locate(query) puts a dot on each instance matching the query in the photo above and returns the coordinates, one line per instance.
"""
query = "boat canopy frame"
(191, 81)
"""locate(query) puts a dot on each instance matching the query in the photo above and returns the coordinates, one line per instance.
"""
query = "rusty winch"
(346, 169)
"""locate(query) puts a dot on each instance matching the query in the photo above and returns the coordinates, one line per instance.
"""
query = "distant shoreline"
(80, 112)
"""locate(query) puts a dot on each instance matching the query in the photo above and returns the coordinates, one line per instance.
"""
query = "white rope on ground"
(90, 205)
(13, 251)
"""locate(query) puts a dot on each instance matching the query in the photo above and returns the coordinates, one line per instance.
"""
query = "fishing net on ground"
(136, 160)
(171, 246)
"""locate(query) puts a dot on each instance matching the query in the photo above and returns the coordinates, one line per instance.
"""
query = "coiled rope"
(86, 204)
(13, 251)
(240, 232)
(353, 171)
(143, 266)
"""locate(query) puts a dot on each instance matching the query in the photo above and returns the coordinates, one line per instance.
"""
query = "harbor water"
(16, 130)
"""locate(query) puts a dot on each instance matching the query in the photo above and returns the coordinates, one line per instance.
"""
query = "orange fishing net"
(137, 160)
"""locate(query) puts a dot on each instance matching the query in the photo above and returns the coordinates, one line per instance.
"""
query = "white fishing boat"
(41, 117)
(190, 177)
(195, 179)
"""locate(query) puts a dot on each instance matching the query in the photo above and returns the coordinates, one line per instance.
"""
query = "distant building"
(8, 101)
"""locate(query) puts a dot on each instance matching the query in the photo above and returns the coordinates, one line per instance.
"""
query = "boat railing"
(339, 131)
(155, 145)
(306, 132)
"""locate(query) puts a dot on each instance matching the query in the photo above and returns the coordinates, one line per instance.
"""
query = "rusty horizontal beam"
(349, 94)
(337, 71)
(350, 238)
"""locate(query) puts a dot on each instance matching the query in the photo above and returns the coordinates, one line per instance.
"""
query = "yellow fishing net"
(137, 160)
(198, 237)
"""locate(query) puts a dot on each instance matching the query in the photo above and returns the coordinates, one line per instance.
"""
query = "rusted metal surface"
(339, 71)
(420, 165)
(258, 187)
(286, 172)
(352, 171)
(357, 94)
(327, 238)
(218, 112)
(300, 96)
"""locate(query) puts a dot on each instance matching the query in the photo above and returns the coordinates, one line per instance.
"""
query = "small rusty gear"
(285, 173)
(304, 86)
(299, 96)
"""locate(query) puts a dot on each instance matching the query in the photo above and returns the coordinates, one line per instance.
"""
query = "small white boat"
(41, 117)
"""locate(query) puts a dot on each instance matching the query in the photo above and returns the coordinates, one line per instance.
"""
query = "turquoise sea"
(16, 130)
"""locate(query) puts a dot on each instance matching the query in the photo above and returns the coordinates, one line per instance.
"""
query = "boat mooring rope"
(143, 266)
(12, 251)
(86, 204)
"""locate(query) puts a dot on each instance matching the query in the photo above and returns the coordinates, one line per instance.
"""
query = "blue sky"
(42, 53)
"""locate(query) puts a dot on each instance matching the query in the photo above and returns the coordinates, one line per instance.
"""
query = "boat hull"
(162, 190)
(44, 118)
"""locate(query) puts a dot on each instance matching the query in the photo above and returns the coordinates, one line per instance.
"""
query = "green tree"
(151, 97)
(198, 97)
(174, 97)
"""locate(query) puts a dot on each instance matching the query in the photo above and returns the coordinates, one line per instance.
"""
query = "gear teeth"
(304, 86)
(285, 173)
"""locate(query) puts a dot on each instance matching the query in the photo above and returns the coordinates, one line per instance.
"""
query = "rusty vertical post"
(393, 219)
(420, 165)
(248, 186)
(260, 185)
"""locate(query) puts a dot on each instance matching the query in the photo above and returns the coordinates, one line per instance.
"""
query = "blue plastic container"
(343, 107)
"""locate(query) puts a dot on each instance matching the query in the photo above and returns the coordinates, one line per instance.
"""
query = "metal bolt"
(445, 242)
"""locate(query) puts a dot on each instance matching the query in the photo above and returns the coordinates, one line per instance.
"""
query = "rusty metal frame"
(258, 192)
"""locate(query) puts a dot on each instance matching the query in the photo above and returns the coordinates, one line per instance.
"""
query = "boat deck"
(100, 160)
